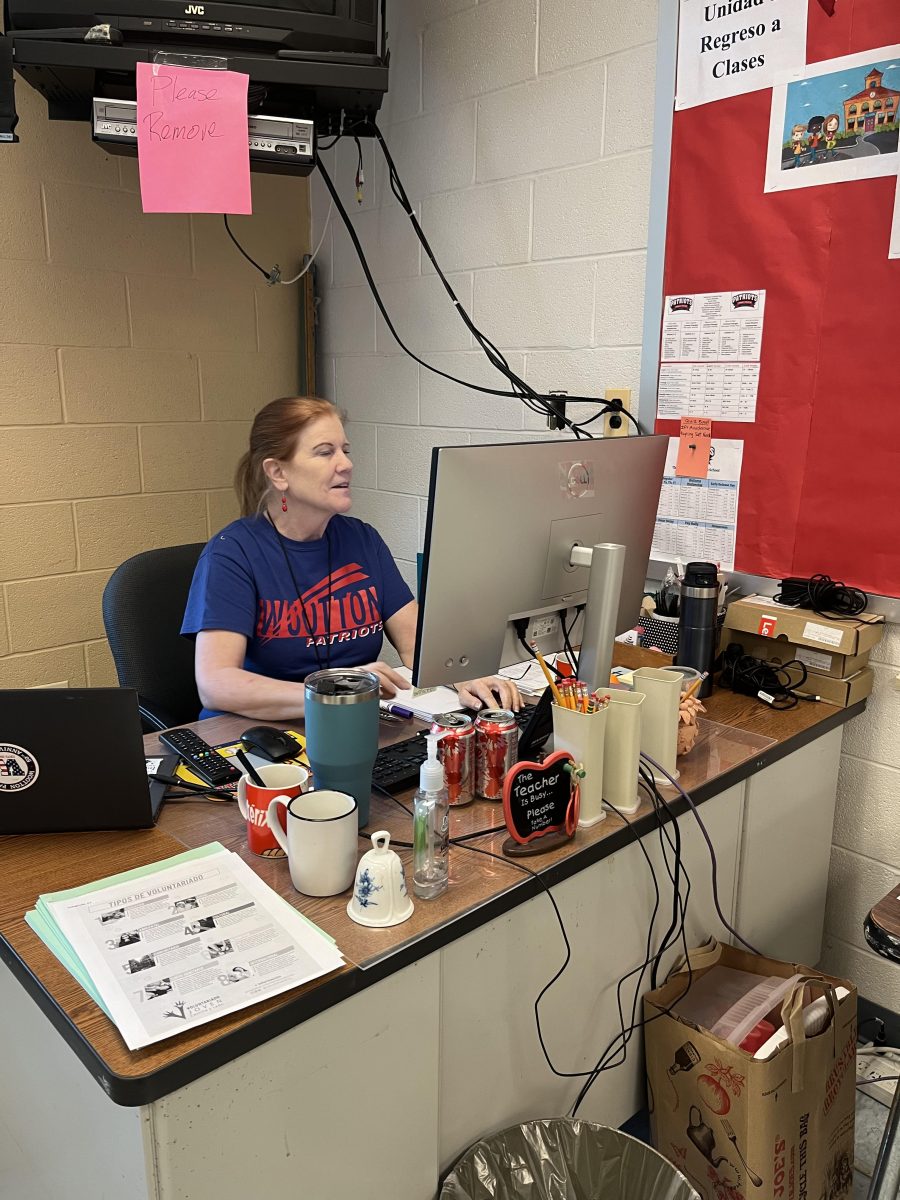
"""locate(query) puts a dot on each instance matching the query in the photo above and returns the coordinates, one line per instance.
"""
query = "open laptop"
(73, 759)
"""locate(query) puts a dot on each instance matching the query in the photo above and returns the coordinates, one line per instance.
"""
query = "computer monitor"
(503, 522)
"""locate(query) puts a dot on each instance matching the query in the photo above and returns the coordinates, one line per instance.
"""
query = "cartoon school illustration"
(843, 115)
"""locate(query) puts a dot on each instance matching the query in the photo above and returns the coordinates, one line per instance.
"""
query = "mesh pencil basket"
(660, 633)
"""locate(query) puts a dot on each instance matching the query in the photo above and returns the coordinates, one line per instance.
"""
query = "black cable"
(749, 676)
(520, 624)
(373, 287)
(360, 178)
(199, 790)
(611, 406)
(608, 1061)
(712, 852)
(574, 659)
(494, 355)
(391, 796)
(521, 390)
(252, 261)
(468, 837)
(624, 1034)
(660, 806)
(823, 595)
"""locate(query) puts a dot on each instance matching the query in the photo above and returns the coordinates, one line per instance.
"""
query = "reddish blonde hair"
(274, 434)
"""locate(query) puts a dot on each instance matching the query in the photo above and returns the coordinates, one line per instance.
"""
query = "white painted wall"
(522, 132)
(865, 855)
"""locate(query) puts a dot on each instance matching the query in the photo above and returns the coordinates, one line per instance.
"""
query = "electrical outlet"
(621, 429)
(539, 627)
(872, 1066)
(556, 413)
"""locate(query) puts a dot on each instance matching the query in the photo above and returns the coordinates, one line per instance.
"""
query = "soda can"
(496, 750)
(456, 750)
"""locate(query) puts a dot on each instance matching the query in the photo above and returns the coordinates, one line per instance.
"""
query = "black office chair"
(143, 607)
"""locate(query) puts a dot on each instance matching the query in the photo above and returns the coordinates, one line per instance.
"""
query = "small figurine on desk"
(689, 708)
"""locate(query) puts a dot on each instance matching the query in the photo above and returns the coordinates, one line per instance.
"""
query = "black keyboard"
(397, 767)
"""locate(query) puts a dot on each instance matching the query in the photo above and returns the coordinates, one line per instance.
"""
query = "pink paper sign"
(193, 149)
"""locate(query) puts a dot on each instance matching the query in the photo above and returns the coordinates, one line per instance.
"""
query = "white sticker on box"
(822, 633)
(817, 659)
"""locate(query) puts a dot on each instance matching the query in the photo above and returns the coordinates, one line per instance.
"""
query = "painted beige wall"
(133, 351)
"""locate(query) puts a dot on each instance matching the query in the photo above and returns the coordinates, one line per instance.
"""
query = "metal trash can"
(559, 1159)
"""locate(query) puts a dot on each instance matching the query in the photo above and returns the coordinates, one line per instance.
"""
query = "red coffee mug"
(280, 779)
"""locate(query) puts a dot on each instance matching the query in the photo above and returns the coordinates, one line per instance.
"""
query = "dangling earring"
(283, 502)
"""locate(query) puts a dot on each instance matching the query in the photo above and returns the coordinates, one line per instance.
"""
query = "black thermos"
(697, 626)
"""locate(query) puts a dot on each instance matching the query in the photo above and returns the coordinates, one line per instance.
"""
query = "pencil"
(694, 686)
(556, 696)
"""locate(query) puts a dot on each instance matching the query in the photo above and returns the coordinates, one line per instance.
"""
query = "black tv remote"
(200, 757)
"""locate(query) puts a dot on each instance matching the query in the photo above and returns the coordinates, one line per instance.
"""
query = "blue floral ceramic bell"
(380, 897)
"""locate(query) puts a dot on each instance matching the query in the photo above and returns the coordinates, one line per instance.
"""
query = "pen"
(396, 710)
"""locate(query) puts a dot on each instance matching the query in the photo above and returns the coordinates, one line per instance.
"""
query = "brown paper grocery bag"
(739, 1127)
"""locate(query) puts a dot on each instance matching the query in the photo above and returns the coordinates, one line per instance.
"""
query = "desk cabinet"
(786, 849)
(381, 1092)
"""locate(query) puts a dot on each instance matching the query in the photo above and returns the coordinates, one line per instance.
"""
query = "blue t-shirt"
(242, 584)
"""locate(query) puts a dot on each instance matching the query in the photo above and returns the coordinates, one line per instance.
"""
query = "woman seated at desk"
(295, 585)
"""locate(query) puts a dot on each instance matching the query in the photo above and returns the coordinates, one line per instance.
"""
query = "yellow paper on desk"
(229, 749)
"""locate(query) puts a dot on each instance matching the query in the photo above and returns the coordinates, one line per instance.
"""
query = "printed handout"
(711, 347)
(183, 942)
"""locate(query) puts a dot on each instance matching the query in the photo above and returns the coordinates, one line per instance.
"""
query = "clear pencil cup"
(583, 735)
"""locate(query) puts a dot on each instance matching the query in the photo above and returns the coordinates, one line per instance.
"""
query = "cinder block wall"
(865, 855)
(133, 352)
(522, 134)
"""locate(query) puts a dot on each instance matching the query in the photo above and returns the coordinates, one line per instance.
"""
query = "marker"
(396, 710)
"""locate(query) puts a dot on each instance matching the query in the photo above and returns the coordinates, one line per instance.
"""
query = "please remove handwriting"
(162, 123)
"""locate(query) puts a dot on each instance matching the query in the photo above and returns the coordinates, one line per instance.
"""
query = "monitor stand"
(607, 563)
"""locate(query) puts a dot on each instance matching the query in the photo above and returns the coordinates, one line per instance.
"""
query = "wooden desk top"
(739, 737)
(882, 925)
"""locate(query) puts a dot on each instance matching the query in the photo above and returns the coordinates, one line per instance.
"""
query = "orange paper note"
(193, 150)
(694, 439)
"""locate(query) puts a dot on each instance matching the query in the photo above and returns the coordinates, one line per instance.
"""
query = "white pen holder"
(659, 717)
(622, 751)
(583, 736)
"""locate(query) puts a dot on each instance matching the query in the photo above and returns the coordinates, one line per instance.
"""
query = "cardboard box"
(760, 615)
(771, 1129)
(778, 650)
(842, 692)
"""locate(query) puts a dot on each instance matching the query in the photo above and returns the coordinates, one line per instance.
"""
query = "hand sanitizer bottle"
(431, 827)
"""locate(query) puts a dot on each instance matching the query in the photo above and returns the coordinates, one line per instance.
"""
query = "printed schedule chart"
(709, 361)
(697, 518)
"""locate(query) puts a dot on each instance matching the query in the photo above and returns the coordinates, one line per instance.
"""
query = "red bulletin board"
(820, 488)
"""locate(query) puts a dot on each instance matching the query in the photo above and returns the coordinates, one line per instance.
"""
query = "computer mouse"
(271, 743)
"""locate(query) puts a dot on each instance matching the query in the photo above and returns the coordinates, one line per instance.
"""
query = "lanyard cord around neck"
(287, 561)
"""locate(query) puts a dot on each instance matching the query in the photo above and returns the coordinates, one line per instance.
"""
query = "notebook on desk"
(73, 759)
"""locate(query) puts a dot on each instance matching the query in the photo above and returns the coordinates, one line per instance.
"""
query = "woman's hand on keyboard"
(491, 692)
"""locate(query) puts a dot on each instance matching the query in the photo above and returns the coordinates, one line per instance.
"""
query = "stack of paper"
(528, 676)
(425, 703)
(180, 942)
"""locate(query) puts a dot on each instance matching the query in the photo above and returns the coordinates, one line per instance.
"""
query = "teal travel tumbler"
(341, 722)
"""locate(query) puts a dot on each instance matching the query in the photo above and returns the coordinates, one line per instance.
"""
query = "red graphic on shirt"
(355, 614)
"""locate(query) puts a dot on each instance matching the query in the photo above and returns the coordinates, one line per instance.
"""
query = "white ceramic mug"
(321, 840)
